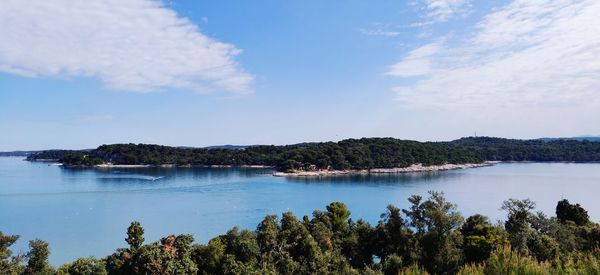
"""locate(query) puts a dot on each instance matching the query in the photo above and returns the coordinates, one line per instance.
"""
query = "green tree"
(84, 266)
(481, 238)
(120, 262)
(571, 212)
(303, 254)
(360, 246)
(518, 224)
(8, 263)
(38, 258)
(156, 258)
(393, 237)
(322, 234)
(267, 237)
(209, 258)
(393, 265)
(338, 215)
(135, 235)
(184, 263)
(437, 221)
(543, 247)
(243, 245)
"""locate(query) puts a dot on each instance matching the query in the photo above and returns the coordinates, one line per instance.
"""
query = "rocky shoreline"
(108, 165)
(415, 168)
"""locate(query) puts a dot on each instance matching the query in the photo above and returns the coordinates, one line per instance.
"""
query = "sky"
(78, 74)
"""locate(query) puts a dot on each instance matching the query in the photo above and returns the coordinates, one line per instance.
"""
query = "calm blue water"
(85, 212)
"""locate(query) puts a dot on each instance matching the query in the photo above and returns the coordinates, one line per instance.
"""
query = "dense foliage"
(429, 237)
(51, 154)
(17, 153)
(352, 153)
(362, 153)
(531, 150)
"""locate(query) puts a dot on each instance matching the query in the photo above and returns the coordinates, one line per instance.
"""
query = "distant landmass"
(17, 153)
(53, 154)
(579, 138)
(349, 154)
(229, 146)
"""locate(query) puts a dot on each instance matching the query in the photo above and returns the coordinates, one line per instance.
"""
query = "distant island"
(579, 138)
(17, 153)
(346, 156)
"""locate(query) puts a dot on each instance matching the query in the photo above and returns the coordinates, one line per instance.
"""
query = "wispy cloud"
(379, 32)
(380, 29)
(441, 10)
(417, 62)
(527, 53)
(137, 45)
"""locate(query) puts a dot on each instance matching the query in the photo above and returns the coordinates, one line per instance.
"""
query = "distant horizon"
(284, 144)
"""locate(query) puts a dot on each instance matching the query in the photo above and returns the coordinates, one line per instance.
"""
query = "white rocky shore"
(110, 165)
(415, 168)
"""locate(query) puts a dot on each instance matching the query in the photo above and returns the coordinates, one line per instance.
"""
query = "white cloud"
(416, 63)
(134, 45)
(380, 29)
(529, 53)
(442, 10)
(379, 32)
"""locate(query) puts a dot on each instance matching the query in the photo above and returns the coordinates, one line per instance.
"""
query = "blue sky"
(197, 73)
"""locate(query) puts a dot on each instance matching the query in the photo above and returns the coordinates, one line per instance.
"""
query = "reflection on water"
(156, 172)
(155, 177)
(128, 177)
(378, 179)
(84, 212)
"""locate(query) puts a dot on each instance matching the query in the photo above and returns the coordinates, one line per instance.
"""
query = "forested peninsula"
(349, 154)
(428, 237)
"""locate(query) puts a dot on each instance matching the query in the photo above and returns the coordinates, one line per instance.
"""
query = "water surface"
(85, 212)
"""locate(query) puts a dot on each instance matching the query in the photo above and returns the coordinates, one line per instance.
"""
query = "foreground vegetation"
(365, 153)
(429, 237)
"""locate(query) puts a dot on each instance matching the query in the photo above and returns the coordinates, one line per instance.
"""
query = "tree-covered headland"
(429, 237)
(365, 153)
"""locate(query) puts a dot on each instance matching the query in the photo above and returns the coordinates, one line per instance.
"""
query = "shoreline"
(415, 168)
(108, 166)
